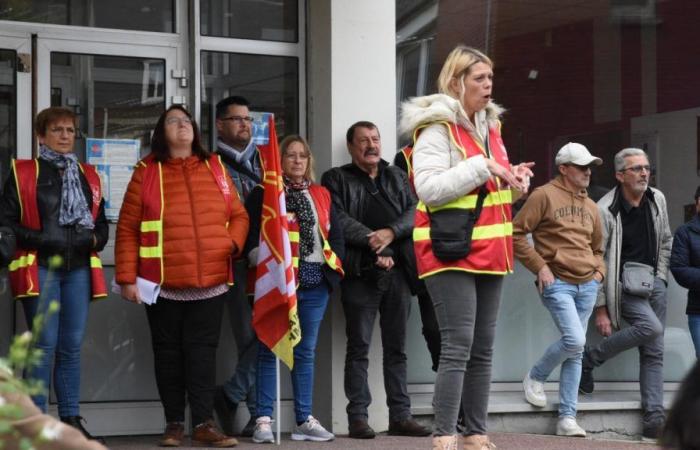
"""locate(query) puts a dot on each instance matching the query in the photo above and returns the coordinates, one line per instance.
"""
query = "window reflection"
(273, 20)
(154, 15)
(609, 75)
(114, 97)
(8, 111)
(270, 83)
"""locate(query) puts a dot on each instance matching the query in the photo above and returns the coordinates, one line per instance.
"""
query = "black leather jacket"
(72, 243)
(349, 195)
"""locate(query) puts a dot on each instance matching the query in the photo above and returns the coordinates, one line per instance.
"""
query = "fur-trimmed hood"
(417, 111)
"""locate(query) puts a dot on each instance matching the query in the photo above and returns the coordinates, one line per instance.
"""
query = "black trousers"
(185, 335)
(386, 294)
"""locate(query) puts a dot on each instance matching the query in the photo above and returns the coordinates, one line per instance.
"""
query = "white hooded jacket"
(441, 174)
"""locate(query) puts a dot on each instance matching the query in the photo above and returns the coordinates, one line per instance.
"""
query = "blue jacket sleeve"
(685, 274)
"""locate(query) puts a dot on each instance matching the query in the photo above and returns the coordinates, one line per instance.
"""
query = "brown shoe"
(172, 436)
(207, 435)
(407, 427)
(360, 429)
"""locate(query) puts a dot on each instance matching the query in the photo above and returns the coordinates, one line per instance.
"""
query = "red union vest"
(150, 264)
(322, 201)
(24, 268)
(492, 237)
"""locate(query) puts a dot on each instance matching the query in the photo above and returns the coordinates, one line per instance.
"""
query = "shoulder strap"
(238, 167)
(480, 201)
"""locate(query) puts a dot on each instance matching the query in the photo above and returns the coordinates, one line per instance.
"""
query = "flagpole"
(279, 401)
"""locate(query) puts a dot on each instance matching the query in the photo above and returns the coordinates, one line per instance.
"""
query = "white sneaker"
(262, 434)
(311, 430)
(534, 392)
(567, 426)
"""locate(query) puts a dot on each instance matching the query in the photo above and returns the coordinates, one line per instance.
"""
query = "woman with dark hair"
(317, 246)
(55, 208)
(179, 226)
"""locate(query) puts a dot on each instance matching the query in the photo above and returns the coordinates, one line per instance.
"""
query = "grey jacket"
(609, 207)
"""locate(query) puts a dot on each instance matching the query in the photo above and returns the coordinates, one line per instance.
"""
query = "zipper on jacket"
(194, 223)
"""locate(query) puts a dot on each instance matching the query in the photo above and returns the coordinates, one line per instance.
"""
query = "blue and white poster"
(114, 160)
(260, 131)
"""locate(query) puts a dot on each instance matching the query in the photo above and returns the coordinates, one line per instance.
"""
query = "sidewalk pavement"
(504, 441)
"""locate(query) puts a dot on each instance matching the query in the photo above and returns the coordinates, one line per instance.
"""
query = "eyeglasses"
(61, 130)
(638, 169)
(178, 120)
(238, 119)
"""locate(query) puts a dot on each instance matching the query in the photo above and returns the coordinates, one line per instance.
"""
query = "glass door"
(15, 115)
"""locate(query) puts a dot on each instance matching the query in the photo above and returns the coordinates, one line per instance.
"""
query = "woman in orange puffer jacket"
(179, 226)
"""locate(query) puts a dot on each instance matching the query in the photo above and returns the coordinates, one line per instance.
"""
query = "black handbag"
(451, 229)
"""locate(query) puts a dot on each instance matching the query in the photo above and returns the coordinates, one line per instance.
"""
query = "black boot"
(77, 423)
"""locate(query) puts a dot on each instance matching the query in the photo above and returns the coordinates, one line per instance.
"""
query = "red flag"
(275, 316)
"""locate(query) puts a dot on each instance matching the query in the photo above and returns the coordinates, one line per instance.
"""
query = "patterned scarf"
(299, 204)
(74, 208)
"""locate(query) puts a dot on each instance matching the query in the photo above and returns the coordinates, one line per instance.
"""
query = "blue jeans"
(570, 306)
(694, 327)
(241, 385)
(62, 334)
(311, 306)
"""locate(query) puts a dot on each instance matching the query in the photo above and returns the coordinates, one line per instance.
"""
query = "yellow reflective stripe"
(95, 262)
(151, 225)
(293, 236)
(479, 232)
(295, 261)
(492, 231)
(421, 233)
(22, 261)
(150, 252)
(502, 197)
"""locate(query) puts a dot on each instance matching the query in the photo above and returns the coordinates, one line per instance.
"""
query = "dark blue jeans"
(311, 306)
(62, 334)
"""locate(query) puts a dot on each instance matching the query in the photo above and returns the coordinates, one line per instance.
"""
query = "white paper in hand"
(148, 290)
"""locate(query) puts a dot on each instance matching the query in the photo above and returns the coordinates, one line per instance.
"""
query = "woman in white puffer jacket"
(459, 161)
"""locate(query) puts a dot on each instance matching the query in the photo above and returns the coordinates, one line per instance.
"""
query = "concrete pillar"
(351, 77)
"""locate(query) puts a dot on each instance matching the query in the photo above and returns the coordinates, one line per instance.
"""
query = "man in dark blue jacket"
(685, 266)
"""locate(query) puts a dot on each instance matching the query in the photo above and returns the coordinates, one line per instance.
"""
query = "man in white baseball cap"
(575, 153)
(567, 259)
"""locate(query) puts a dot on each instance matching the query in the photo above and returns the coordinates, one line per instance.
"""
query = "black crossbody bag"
(451, 229)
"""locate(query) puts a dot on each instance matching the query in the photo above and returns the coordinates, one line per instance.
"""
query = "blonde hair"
(458, 63)
(289, 140)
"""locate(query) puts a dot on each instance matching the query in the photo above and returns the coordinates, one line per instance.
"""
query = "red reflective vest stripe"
(492, 237)
(322, 202)
(150, 264)
(24, 268)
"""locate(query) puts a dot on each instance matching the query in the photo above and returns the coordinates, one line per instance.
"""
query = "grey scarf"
(74, 207)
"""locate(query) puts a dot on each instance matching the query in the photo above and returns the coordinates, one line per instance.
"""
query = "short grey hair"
(624, 153)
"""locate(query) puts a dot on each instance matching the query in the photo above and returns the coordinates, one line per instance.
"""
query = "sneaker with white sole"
(311, 430)
(567, 426)
(262, 434)
(534, 392)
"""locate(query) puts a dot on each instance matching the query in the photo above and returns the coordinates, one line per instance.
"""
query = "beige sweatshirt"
(566, 230)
